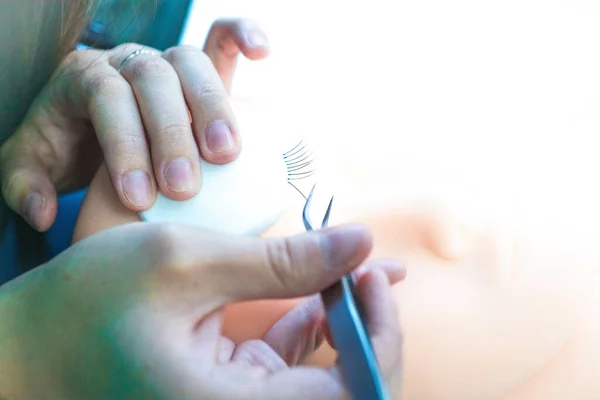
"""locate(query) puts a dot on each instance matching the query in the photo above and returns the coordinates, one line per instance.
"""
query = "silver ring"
(134, 54)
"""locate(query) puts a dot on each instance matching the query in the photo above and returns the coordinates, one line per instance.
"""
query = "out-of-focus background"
(495, 102)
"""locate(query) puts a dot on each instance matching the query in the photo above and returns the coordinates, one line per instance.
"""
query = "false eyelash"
(299, 161)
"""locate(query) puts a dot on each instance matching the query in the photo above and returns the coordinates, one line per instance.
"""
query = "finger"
(256, 353)
(231, 268)
(213, 120)
(157, 89)
(227, 38)
(225, 350)
(393, 269)
(26, 185)
(327, 334)
(382, 320)
(299, 333)
(208, 340)
(304, 383)
(107, 99)
(395, 272)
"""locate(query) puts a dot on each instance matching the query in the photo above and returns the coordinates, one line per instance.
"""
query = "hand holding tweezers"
(349, 332)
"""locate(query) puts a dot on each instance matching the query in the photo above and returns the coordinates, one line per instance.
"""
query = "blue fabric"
(59, 236)
(8, 253)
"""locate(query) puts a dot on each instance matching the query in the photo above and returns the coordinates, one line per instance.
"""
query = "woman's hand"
(135, 312)
(129, 106)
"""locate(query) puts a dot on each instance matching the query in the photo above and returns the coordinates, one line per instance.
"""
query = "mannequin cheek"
(436, 236)
(457, 327)
(252, 320)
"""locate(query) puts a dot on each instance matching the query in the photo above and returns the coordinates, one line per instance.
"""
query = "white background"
(471, 93)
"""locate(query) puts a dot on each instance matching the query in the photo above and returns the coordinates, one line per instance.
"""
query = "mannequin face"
(498, 302)
(500, 284)
(484, 298)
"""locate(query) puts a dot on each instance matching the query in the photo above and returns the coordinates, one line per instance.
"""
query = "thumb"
(255, 268)
(26, 185)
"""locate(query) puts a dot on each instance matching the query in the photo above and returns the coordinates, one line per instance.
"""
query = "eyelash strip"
(299, 162)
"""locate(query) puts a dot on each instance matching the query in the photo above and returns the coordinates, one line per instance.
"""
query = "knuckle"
(103, 83)
(174, 133)
(281, 264)
(164, 243)
(80, 63)
(80, 59)
(210, 92)
(192, 56)
(174, 53)
(146, 65)
(126, 145)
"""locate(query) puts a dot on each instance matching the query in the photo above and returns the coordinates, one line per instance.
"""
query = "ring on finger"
(134, 54)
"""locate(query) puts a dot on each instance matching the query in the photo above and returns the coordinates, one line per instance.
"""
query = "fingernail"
(137, 188)
(33, 209)
(179, 175)
(219, 137)
(346, 245)
(257, 39)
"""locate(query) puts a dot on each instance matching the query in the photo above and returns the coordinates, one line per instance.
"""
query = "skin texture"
(494, 292)
(79, 306)
(135, 312)
(109, 212)
(98, 107)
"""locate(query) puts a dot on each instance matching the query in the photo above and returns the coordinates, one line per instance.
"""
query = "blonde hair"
(52, 31)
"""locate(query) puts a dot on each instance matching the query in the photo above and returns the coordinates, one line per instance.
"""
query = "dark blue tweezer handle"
(349, 333)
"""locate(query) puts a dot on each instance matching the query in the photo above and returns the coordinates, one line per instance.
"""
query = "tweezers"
(349, 332)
